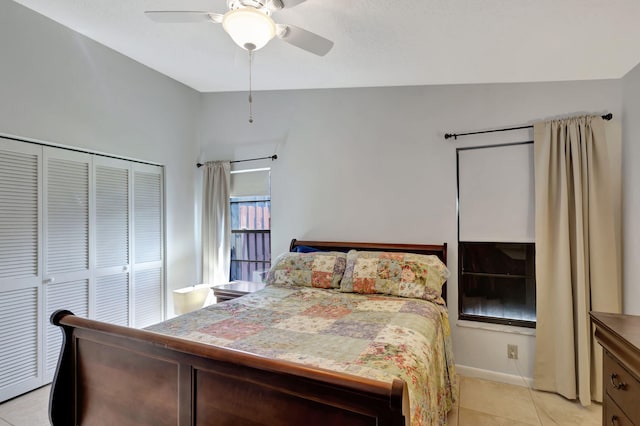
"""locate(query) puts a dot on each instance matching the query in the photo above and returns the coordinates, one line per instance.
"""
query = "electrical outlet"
(512, 351)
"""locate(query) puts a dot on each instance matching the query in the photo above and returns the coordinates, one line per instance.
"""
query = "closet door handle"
(50, 280)
(125, 268)
(614, 420)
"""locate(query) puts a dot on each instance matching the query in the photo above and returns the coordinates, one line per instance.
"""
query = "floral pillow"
(399, 274)
(318, 269)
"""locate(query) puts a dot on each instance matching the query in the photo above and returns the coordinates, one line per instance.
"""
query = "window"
(496, 250)
(250, 225)
(497, 282)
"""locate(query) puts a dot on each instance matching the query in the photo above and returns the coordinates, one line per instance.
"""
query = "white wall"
(58, 86)
(372, 165)
(631, 190)
(355, 164)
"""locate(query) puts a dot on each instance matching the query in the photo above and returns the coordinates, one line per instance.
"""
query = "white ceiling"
(377, 42)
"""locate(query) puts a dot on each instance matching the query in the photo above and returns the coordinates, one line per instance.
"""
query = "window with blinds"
(496, 250)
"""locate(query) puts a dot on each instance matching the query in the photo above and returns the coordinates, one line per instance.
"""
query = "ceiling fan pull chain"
(250, 87)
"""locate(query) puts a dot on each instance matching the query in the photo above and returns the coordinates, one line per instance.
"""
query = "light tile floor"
(487, 403)
(480, 403)
(31, 409)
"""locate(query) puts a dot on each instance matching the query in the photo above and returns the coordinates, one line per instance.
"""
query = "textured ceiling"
(377, 43)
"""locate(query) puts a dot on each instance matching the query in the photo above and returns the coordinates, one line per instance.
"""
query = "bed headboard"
(439, 250)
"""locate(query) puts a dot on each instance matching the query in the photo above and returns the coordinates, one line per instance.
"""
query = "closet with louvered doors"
(148, 248)
(129, 254)
(113, 227)
(20, 268)
(70, 223)
(66, 200)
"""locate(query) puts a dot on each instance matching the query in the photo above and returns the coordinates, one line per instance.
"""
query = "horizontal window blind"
(250, 183)
(496, 193)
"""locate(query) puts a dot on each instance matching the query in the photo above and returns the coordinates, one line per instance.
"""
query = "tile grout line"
(526, 397)
(6, 421)
(535, 406)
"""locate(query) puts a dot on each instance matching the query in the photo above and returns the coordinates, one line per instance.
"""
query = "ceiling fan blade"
(292, 3)
(304, 39)
(182, 16)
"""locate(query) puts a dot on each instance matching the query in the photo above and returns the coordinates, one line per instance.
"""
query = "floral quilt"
(368, 335)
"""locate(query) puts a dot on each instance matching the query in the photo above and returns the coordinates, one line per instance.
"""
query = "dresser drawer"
(622, 388)
(612, 415)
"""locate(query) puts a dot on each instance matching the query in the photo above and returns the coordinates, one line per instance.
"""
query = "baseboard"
(495, 376)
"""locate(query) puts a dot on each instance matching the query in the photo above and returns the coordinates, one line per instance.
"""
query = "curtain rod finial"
(274, 157)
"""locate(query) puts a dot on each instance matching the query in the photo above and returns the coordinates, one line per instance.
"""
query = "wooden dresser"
(619, 335)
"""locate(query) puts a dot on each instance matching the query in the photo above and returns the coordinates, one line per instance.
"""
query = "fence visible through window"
(250, 238)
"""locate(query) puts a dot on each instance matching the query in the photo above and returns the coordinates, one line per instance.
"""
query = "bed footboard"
(109, 374)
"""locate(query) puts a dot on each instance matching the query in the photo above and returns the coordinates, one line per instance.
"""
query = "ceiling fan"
(249, 24)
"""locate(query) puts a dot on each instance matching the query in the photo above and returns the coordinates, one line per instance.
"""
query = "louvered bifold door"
(20, 266)
(67, 177)
(148, 245)
(112, 231)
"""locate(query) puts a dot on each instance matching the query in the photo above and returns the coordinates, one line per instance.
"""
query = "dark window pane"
(497, 258)
(507, 298)
(497, 282)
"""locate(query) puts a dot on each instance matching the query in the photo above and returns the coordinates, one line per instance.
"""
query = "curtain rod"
(273, 157)
(455, 135)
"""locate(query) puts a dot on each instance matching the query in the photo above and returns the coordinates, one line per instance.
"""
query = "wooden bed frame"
(109, 374)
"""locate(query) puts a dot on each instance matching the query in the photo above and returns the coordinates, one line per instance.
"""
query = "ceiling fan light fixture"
(249, 28)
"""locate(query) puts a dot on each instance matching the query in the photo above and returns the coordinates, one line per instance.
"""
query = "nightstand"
(235, 289)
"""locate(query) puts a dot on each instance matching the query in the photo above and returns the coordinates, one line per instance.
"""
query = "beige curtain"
(578, 252)
(216, 222)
